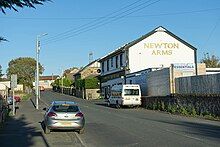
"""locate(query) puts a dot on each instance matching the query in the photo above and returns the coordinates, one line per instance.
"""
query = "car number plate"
(127, 98)
(65, 123)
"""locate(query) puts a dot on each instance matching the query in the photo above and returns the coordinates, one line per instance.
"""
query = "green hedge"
(88, 83)
(91, 83)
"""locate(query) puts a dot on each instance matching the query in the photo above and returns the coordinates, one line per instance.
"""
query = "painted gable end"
(160, 49)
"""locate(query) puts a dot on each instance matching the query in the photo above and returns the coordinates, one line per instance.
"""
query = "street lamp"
(37, 67)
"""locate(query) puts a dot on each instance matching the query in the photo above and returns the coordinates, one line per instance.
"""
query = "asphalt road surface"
(107, 126)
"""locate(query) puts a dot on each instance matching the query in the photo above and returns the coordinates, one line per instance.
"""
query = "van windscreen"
(131, 92)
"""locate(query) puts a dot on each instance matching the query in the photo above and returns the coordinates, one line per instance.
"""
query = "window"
(121, 58)
(103, 66)
(112, 62)
(116, 61)
(65, 108)
(131, 92)
(107, 65)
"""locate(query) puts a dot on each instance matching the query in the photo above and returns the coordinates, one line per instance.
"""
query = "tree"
(211, 62)
(1, 72)
(12, 4)
(66, 82)
(25, 68)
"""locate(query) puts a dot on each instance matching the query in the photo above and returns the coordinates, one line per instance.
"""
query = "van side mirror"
(45, 109)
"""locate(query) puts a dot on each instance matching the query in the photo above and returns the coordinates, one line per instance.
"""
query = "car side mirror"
(45, 109)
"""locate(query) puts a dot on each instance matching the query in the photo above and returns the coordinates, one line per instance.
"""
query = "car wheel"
(46, 130)
(81, 131)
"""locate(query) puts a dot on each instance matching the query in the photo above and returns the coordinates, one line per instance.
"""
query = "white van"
(125, 95)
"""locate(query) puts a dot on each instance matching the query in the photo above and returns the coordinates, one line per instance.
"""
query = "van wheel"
(108, 104)
(117, 105)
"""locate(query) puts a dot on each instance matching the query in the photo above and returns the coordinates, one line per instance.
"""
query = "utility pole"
(62, 81)
(13, 86)
(37, 72)
(37, 68)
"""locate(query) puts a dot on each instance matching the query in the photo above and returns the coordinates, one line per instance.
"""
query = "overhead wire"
(94, 21)
(96, 25)
(100, 17)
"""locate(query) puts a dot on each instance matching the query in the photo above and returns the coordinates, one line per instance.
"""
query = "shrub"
(162, 106)
(183, 111)
(193, 113)
(154, 106)
(171, 108)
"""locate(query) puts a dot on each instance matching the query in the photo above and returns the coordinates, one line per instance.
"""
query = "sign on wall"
(184, 66)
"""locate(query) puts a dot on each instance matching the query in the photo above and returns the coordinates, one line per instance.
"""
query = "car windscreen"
(65, 108)
(131, 92)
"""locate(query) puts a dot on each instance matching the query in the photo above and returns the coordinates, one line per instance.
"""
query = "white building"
(158, 49)
(212, 71)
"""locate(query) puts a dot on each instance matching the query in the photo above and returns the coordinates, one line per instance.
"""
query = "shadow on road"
(193, 128)
(18, 132)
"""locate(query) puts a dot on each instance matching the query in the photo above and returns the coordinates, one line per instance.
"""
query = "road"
(134, 127)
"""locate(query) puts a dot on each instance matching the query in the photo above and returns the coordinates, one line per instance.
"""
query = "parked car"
(63, 115)
(17, 98)
(10, 100)
(41, 88)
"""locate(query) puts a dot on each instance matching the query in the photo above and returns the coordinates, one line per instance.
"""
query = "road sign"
(13, 81)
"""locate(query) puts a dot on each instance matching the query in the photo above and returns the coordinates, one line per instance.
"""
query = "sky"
(75, 28)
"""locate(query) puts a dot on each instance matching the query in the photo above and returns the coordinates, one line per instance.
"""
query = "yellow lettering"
(154, 52)
(146, 45)
(162, 52)
(158, 52)
(157, 45)
(175, 45)
(161, 45)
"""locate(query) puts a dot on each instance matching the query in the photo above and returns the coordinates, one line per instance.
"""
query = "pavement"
(24, 129)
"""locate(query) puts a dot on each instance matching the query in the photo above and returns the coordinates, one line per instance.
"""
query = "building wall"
(158, 50)
(212, 70)
(92, 94)
(91, 70)
(158, 83)
(111, 63)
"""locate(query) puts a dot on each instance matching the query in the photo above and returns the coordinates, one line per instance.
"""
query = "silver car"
(64, 115)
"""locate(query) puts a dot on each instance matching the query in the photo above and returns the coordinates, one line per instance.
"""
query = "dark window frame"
(108, 65)
(103, 66)
(121, 57)
(116, 62)
(112, 62)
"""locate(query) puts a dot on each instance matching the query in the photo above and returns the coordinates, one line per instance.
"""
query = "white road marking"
(81, 141)
(184, 135)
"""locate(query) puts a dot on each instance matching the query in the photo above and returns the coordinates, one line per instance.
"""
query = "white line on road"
(184, 135)
(81, 141)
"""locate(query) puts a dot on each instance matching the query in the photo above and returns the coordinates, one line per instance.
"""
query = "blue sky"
(65, 46)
